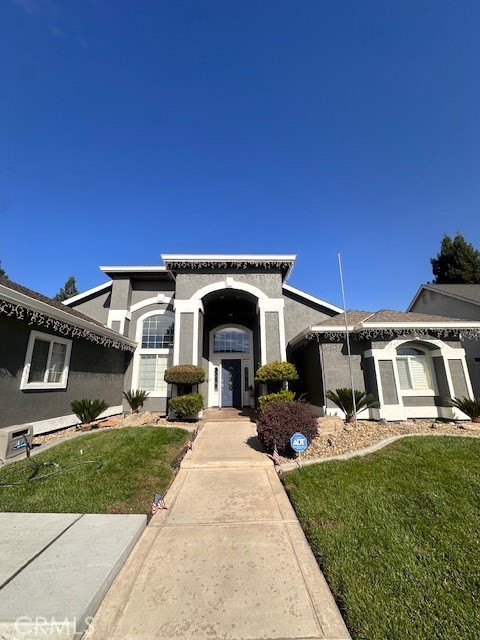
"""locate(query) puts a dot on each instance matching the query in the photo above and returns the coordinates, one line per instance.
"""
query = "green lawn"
(397, 535)
(137, 461)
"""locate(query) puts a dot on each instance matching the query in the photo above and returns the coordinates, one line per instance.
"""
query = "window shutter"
(420, 373)
(403, 375)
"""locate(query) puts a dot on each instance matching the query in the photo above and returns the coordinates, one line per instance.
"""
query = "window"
(151, 372)
(46, 362)
(157, 332)
(231, 341)
(413, 370)
(154, 353)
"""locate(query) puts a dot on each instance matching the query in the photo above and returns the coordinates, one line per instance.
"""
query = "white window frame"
(146, 351)
(429, 391)
(46, 337)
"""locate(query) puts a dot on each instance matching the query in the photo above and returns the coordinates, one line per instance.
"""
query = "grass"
(397, 535)
(137, 461)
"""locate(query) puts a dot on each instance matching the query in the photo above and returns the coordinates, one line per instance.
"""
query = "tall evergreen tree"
(68, 291)
(458, 262)
(2, 272)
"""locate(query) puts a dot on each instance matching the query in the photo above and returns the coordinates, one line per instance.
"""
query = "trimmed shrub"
(343, 398)
(275, 373)
(282, 396)
(185, 406)
(88, 410)
(281, 420)
(469, 406)
(135, 398)
(184, 374)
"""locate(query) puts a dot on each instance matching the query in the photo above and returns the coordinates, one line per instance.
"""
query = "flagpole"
(349, 355)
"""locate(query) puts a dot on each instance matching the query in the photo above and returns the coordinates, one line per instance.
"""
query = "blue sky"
(130, 129)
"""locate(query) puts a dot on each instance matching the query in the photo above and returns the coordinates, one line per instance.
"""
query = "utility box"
(13, 440)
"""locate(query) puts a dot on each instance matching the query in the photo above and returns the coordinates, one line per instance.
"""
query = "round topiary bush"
(184, 374)
(186, 406)
(275, 373)
(281, 420)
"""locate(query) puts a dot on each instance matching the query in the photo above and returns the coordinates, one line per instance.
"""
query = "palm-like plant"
(469, 406)
(88, 410)
(135, 398)
(343, 398)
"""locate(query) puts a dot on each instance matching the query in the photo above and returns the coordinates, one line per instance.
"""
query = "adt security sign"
(298, 442)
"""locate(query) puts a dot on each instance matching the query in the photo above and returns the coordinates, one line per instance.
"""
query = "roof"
(46, 312)
(387, 322)
(465, 292)
(307, 296)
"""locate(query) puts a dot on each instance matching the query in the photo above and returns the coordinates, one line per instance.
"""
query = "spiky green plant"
(88, 410)
(469, 406)
(343, 398)
(135, 398)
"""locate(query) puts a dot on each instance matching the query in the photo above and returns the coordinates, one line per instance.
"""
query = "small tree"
(343, 398)
(275, 374)
(458, 262)
(68, 291)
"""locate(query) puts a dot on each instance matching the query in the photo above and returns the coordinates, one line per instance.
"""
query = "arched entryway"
(231, 346)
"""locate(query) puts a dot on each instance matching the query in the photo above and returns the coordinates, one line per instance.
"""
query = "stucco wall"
(272, 336)
(96, 306)
(121, 293)
(389, 389)
(95, 372)
(458, 378)
(189, 283)
(186, 338)
(143, 289)
(336, 367)
(300, 314)
(307, 361)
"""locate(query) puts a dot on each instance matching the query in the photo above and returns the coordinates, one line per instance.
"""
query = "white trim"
(135, 269)
(142, 351)
(160, 298)
(62, 422)
(17, 298)
(38, 386)
(215, 360)
(118, 315)
(229, 257)
(310, 298)
(88, 293)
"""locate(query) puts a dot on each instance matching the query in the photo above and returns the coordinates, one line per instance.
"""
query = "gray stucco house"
(455, 301)
(232, 313)
(51, 355)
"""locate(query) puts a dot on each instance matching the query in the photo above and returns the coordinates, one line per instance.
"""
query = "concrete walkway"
(228, 559)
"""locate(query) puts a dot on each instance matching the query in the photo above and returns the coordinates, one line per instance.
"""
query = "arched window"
(231, 340)
(413, 368)
(157, 332)
(154, 353)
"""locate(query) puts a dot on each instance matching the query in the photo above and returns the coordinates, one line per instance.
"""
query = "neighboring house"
(51, 355)
(411, 363)
(455, 301)
(226, 313)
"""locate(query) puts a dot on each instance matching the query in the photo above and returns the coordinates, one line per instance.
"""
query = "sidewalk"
(227, 560)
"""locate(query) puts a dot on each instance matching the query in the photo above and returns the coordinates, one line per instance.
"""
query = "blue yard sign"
(298, 442)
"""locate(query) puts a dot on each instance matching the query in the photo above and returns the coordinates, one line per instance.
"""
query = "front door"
(231, 383)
